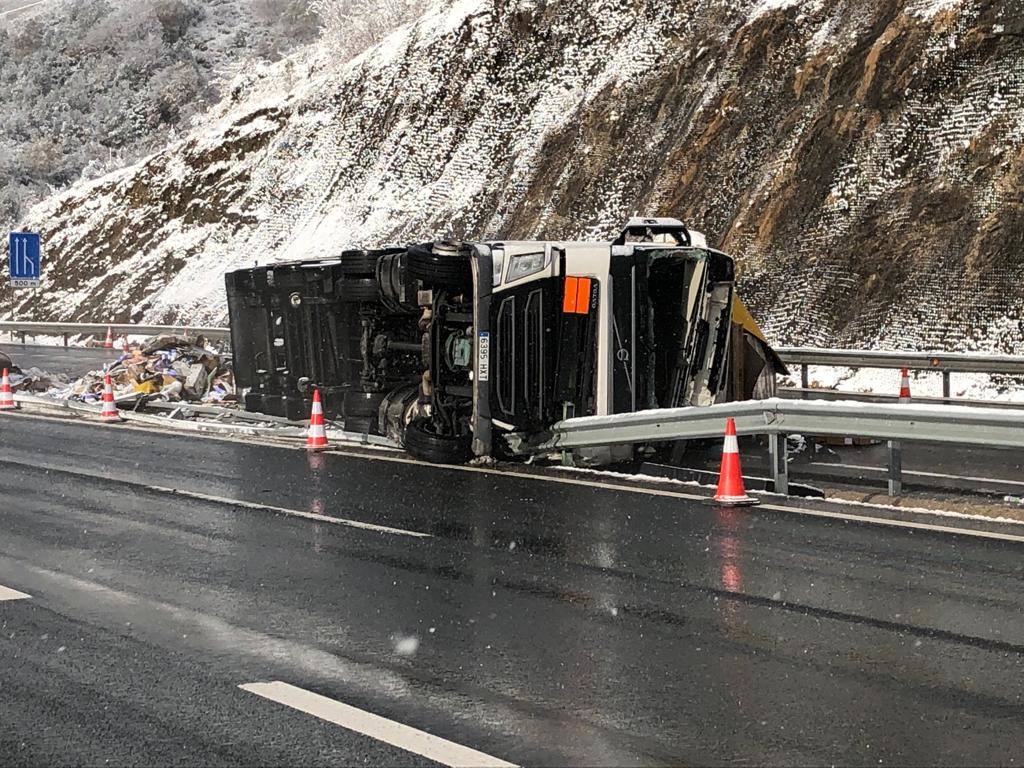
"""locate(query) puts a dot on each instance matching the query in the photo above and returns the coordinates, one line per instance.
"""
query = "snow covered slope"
(862, 159)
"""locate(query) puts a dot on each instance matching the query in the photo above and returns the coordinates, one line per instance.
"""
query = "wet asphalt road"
(71, 361)
(539, 622)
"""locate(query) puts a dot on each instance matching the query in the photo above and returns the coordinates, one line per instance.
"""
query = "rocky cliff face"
(862, 159)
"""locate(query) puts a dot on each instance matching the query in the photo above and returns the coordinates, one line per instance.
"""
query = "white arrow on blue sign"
(25, 261)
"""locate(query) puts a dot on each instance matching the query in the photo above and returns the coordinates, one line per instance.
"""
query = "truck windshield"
(667, 320)
(675, 284)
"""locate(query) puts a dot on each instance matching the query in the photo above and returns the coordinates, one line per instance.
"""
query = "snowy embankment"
(862, 162)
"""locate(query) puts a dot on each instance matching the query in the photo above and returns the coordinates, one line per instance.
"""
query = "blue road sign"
(24, 259)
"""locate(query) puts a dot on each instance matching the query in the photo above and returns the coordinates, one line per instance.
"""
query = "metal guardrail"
(814, 393)
(952, 362)
(31, 328)
(945, 363)
(777, 418)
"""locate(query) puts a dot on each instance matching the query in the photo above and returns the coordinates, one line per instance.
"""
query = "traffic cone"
(730, 492)
(109, 411)
(124, 346)
(316, 439)
(6, 396)
(109, 343)
(904, 386)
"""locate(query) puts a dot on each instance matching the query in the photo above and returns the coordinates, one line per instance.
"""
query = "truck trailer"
(458, 350)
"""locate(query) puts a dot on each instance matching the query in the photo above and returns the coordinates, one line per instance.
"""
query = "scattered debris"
(36, 380)
(167, 367)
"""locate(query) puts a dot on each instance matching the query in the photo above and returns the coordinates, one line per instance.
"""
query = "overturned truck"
(458, 350)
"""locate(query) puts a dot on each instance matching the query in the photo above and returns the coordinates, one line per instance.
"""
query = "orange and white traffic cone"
(109, 342)
(316, 439)
(6, 395)
(730, 492)
(904, 386)
(109, 412)
(124, 346)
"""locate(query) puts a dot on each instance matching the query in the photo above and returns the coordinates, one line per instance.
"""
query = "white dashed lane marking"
(376, 727)
(6, 593)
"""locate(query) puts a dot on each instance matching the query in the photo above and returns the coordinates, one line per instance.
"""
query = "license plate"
(483, 356)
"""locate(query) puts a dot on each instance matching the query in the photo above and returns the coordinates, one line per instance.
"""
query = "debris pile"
(161, 368)
(35, 380)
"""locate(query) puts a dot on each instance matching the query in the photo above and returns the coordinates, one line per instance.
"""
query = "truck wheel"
(423, 442)
(358, 289)
(440, 265)
(361, 425)
(391, 277)
(362, 263)
(359, 403)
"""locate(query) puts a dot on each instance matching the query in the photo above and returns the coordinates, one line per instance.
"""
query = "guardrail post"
(22, 334)
(895, 468)
(568, 411)
(778, 451)
(65, 339)
(804, 380)
(945, 384)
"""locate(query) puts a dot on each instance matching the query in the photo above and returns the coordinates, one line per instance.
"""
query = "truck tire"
(358, 289)
(361, 263)
(391, 276)
(423, 442)
(358, 403)
(440, 265)
(361, 425)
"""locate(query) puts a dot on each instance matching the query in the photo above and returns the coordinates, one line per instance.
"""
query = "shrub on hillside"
(354, 25)
(97, 83)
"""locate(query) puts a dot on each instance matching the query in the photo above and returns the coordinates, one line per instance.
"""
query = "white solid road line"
(847, 518)
(12, 594)
(396, 734)
(22, 8)
(290, 512)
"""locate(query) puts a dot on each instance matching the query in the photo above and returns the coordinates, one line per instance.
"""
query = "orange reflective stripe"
(583, 296)
(569, 302)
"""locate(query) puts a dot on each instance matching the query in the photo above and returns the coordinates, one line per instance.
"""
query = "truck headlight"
(526, 264)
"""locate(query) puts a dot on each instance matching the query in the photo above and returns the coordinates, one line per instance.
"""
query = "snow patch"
(764, 7)
(927, 9)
